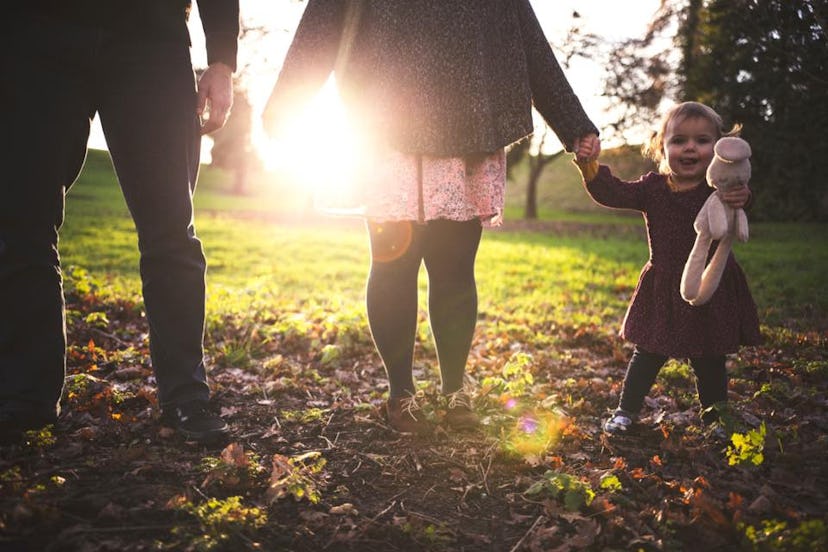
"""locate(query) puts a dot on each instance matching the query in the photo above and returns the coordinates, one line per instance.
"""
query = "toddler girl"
(658, 321)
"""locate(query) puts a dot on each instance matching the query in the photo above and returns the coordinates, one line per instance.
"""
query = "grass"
(294, 371)
(266, 249)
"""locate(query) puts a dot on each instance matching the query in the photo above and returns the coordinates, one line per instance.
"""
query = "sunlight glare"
(317, 151)
(535, 432)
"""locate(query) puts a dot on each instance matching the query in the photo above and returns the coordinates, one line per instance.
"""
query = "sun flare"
(317, 150)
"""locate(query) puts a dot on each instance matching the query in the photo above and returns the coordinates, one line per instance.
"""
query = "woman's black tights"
(448, 249)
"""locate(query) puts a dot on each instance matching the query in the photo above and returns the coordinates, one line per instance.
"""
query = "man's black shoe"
(195, 422)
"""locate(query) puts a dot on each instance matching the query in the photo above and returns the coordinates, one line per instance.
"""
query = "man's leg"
(148, 115)
(42, 149)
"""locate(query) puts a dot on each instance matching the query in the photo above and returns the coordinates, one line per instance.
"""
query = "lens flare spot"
(528, 424)
(535, 433)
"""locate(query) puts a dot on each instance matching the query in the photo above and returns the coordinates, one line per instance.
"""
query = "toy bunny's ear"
(732, 148)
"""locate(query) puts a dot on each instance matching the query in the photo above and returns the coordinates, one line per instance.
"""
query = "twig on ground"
(485, 472)
(113, 337)
(426, 517)
(525, 536)
(328, 421)
(416, 459)
(375, 518)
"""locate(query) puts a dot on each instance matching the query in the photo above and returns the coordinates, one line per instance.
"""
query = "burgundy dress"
(658, 319)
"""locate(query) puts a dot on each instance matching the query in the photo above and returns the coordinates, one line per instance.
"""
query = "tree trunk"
(535, 168)
(240, 176)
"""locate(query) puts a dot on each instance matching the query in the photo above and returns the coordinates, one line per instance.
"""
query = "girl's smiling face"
(688, 149)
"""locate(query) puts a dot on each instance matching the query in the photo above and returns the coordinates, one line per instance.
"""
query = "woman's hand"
(587, 147)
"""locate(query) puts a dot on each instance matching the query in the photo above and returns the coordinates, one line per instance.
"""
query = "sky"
(608, 18)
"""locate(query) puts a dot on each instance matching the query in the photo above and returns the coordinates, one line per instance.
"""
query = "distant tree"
(233, 144)
(515, 153)
(640, 72)
(537, 163)
(763, 64)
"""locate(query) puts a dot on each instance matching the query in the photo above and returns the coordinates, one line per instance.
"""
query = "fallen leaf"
(166, 432)
(233, 455)
(346, 509)
(762, 505)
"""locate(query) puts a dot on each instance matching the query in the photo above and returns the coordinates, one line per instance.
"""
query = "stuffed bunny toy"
(717, 221)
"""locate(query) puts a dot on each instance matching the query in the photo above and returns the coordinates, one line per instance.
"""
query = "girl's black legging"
(711, 380)
(448, 249)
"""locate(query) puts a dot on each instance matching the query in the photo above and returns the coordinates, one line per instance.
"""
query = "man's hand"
(215, 97)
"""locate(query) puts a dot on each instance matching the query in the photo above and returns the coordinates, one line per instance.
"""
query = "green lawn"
(294, 371)
(268, 249)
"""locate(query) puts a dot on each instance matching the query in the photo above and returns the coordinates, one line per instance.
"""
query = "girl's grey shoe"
(619, 423)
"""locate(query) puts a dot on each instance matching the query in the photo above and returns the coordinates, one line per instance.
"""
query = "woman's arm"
(309, 60)
(552, 94)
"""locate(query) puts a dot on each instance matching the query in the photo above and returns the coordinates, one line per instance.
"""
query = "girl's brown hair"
(654, 149)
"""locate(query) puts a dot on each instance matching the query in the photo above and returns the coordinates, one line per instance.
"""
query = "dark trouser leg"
(147, 111)
(42, 149)
(450, 249)
(711, 383)
(391, 297)
(641, 374)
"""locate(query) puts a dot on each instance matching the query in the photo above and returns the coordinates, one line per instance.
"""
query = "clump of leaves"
(220, 521)
(574, 493)
(78, 281)
(97, 319)
(816, 368)
(747, 448)
(89, 393)
(610, 482)
(515, 379)
(234, 468)
(775, 535)
(11, 480)
(778, 392)
(675, 371)
(306, 415)
(299, 476)
(330, 354)
(42, 438)
(431, 535)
